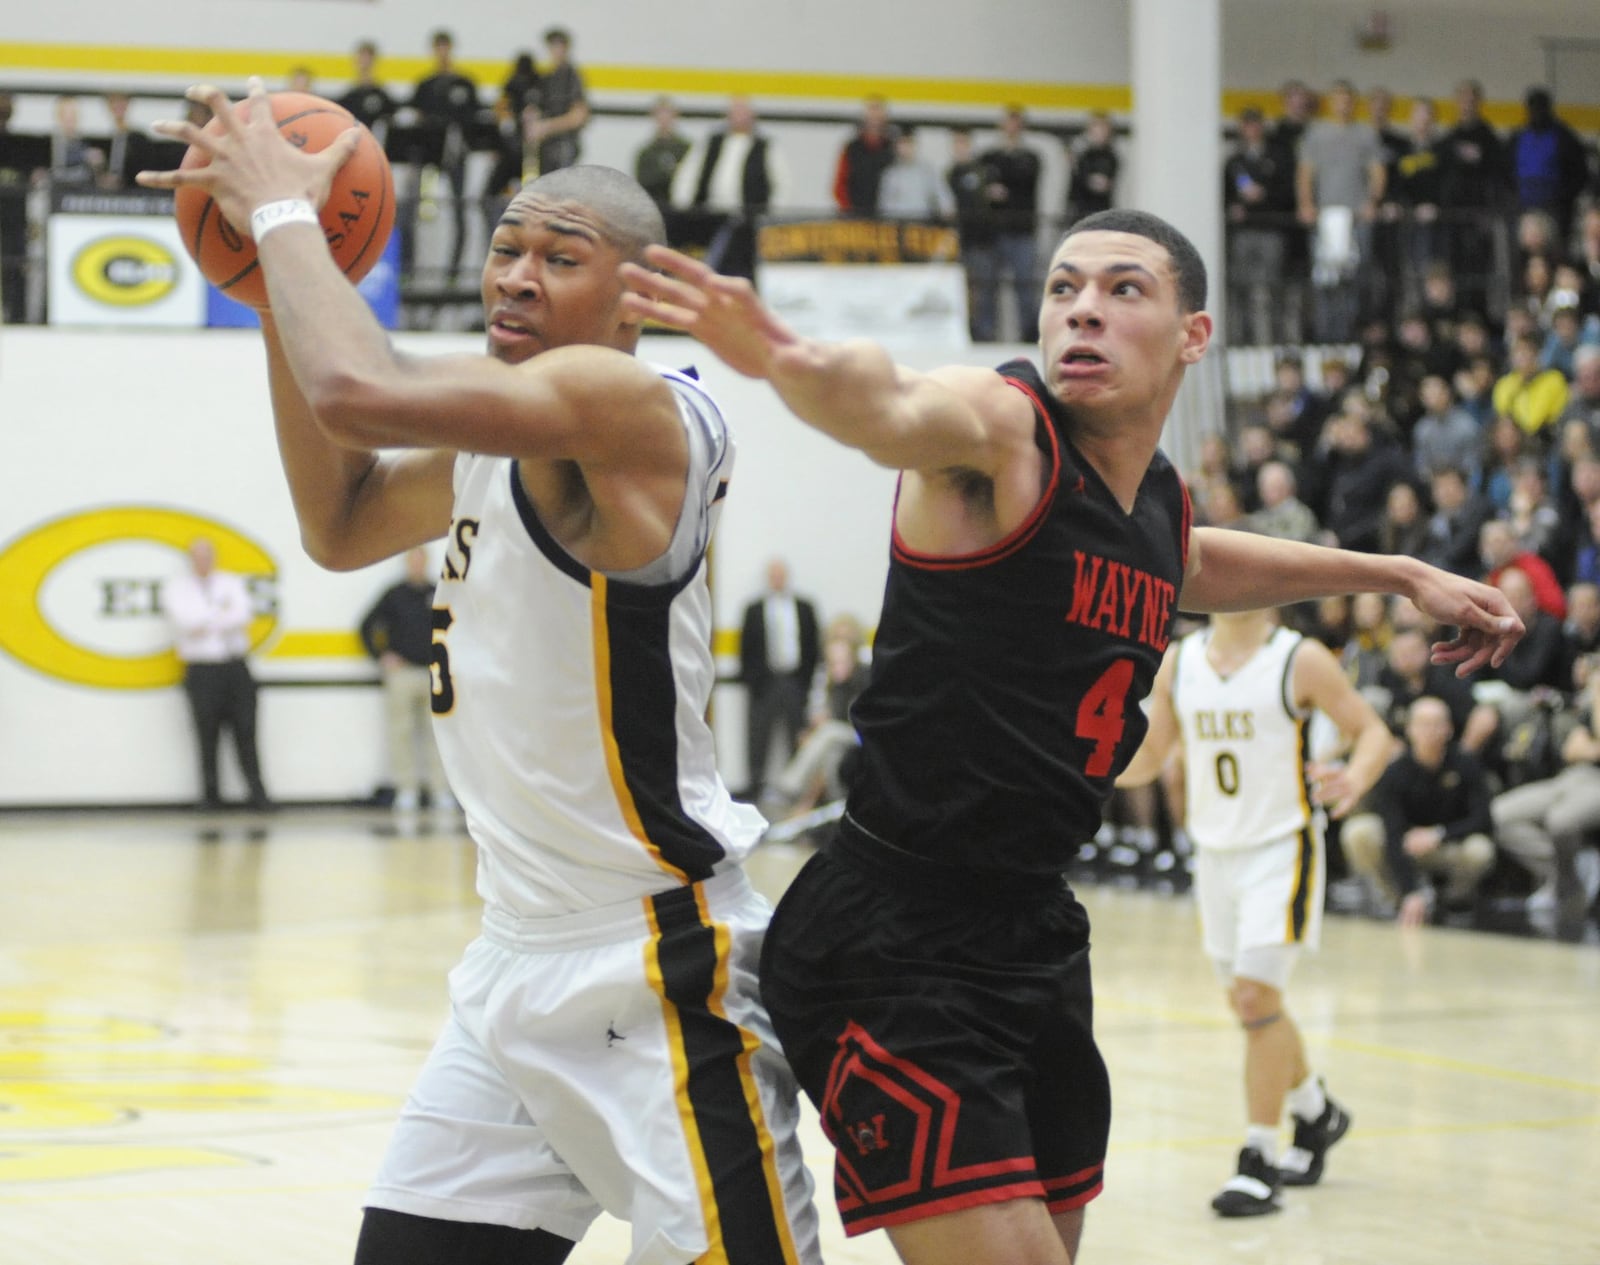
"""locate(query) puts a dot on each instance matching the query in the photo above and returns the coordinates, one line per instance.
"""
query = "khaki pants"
(408, 708)
(1461, 862)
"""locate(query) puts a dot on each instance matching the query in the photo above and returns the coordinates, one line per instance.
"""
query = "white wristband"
(271, 215)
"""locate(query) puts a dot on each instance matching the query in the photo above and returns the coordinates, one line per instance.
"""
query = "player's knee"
(1256, 1004)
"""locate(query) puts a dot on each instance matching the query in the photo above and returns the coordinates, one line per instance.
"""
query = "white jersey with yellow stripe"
(1245, 744)
(569, 705)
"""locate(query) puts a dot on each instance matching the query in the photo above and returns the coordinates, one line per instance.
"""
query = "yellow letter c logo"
(26, 563)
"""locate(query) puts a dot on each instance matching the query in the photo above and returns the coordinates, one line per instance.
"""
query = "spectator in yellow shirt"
(1532, 397)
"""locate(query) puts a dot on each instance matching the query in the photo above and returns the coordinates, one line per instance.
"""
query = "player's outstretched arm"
(354, 507)
(1319, 682)
(852, 391)
(1237, 571)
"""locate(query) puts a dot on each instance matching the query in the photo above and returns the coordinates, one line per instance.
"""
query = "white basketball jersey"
(1245, 744)
(570, 705)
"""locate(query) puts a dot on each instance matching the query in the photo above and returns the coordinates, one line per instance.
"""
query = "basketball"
(356, 219)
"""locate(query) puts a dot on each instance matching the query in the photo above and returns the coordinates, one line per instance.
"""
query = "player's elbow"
(327, 548)
(350, 408)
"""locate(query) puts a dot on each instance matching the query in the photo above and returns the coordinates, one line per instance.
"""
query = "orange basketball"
(357, 218)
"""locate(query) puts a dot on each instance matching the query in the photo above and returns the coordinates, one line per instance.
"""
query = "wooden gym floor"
(206, 1028)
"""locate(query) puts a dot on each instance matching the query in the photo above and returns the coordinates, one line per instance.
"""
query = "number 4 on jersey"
(1101, 716)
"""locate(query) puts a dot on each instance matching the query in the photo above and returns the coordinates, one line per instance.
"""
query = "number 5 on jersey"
(444, 690)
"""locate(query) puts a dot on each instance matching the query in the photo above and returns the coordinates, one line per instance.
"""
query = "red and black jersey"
(1006, 683)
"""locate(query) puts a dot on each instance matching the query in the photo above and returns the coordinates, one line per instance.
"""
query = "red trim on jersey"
(1188, 526)
(1073, 1179)
(936, 1207)
(1024, 532)
(1075, 1201)
(1065, 1203)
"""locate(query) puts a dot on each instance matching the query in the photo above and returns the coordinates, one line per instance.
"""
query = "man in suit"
(724, 185)
(779, 649)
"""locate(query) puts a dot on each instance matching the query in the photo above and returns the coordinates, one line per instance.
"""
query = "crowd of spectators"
(1338, 219)
(1335, 220)
(1474, 445)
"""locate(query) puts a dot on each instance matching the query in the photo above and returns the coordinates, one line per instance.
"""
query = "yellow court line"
(1446, 1063)
(1355, 1046)
(1549, 1125)
(83, 1194)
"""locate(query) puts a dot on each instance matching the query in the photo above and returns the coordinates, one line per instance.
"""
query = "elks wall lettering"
(67, 641)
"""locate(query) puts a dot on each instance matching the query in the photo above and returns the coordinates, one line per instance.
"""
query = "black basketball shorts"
(942, 1025)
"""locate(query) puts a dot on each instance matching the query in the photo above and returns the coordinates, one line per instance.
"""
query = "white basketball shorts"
(617, 1059)
(1260, 906)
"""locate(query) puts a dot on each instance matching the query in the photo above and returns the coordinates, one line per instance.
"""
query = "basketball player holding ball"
(356, 217)
(607, 1047)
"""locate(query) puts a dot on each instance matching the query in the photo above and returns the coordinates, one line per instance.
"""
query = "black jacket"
(754, 668)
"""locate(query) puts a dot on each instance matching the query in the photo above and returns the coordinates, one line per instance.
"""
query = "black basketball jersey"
(1006, 684)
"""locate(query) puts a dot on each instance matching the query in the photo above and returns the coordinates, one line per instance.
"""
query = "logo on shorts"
(868, 1135)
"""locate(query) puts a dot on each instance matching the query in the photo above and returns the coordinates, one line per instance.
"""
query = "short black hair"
(1188, 269)
(630, 215)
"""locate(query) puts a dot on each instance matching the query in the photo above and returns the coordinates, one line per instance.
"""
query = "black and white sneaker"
(1302, 1163)
(1252, 1191)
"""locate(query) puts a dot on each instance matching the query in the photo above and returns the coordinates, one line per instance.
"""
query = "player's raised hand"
(724, 313)
(248, 160)
(1487, 626)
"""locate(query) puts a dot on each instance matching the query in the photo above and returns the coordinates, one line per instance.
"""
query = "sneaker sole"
(1313, 1173)
(1251, 1209)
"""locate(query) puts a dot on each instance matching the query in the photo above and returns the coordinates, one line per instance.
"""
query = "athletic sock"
(1307, 1099)
(1263, 1138)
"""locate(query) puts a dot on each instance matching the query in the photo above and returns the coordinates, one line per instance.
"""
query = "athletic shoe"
(1302, 1163)
(1252, 1191)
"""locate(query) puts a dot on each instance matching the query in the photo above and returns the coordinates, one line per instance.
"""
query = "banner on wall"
(924, 305)
(894, 281)
(117, 259)
(858, 241)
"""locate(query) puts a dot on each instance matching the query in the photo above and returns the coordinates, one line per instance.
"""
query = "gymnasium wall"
(116, 447)
(120, 447)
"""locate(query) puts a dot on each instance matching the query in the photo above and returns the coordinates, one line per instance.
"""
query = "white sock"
(1263, 1138)
(1307, 1099)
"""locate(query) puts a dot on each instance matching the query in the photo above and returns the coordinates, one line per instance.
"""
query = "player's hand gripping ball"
(356, 219)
